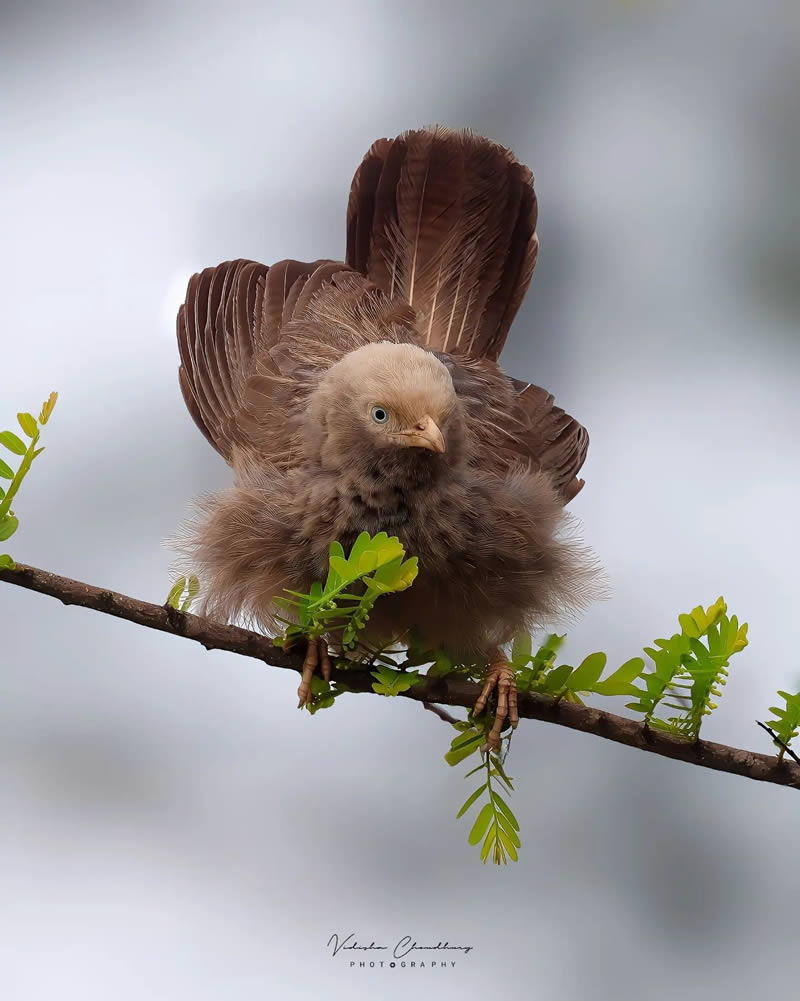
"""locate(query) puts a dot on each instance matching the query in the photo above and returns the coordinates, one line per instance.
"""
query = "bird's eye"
(379, 415)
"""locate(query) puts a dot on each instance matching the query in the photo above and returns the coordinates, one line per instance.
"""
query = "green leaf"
(47, 408)
(481, 825)
(342, 567)
(504, 824)
(323, 696)
(394, 575)
(6, 471)
(555, 680)
(547, 651)
(6, 563)
(192, 590)
(442, 666)
(455, 757)
(12, 442)
(690, 669)
(8, 525)
(498, 764)
(494, 774)
(28, 424)
(470, 800)
(390, 682)
(410, 569)
(332, 581)
(359, 546)
(621, 681)
(488, 844)
(787, 718)
(629, 671)
(587, 673)
(366, 562)
(505, 809)
(469, 737)
(508, 843)
(175, 592)
(688, 625)
(521, 649)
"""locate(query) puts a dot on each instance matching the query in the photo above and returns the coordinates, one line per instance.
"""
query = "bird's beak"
(426, 434)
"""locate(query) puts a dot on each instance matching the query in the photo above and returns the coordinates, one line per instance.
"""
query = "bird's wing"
(515, 422)
(253, 340)
(232, 312)
(447, 220)
(556, 441)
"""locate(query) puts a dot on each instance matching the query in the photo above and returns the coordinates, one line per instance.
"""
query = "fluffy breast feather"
(495, 558)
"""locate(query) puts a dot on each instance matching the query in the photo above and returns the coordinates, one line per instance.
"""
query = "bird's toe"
(501, 680)
(316, 657)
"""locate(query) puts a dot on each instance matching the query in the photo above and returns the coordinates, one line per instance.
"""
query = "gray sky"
(170, 826)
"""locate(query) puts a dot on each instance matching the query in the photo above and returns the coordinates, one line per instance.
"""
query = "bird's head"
(387, 405)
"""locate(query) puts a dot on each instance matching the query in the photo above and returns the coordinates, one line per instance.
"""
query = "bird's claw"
(316, 656)
(500, 678)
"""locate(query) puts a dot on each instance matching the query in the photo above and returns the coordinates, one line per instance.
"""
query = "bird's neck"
(403, 469)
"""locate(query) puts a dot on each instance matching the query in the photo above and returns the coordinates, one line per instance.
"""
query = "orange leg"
(316, 656)
(501, 679)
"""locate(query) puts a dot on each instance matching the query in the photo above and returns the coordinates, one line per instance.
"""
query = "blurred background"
(170, 825)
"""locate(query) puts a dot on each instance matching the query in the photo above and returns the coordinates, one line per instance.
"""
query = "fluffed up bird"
(365, 395)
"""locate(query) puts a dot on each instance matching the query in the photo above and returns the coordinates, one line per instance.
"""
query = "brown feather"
(361, 209)
(281, 277)
(290, 304)
(381, 257)
(192, 351)
(452, 221)
(232, 316)
(556, 440)
(517, 264)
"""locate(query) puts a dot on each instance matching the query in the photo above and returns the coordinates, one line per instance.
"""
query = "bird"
(365, 394)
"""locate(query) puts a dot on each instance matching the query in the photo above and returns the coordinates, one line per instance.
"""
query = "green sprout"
(183, 592)
(31, 428)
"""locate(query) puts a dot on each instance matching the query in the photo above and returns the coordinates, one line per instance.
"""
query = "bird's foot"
(500, 679)
(316, 656)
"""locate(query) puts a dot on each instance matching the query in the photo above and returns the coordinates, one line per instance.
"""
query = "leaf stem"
(498, 852)
(19, 476)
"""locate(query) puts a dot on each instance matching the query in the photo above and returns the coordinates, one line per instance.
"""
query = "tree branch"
(449, 691)
(443, 714)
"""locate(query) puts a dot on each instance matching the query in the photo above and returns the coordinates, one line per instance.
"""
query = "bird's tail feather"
(446, 220)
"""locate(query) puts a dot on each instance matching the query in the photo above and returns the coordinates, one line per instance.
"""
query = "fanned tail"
(446, 220)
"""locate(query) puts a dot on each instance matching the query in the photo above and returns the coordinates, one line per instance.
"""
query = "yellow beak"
(425, 434)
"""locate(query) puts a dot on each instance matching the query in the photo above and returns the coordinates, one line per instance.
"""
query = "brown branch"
(443, 714)
(450, 691)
